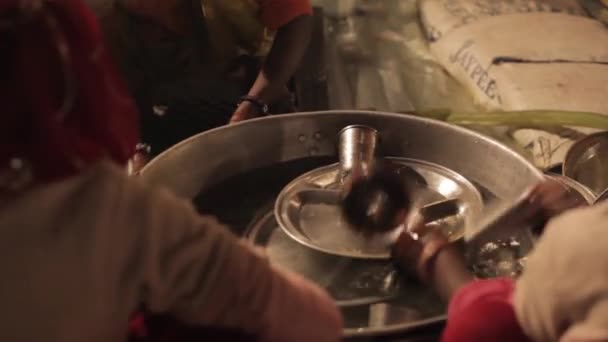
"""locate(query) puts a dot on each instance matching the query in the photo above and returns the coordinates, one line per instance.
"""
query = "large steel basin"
(207, 163)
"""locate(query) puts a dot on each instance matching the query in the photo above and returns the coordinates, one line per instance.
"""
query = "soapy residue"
(501, 258)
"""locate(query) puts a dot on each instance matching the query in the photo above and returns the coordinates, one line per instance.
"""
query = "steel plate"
(308, 208)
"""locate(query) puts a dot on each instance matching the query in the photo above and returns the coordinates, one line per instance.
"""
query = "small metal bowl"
(587, 162)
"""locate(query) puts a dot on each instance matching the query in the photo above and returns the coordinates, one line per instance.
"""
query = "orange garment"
(276, 13)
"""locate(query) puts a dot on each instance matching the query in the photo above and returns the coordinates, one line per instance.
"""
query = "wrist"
(244, 111)
(432, 244)
(449, 272)
(254, 104)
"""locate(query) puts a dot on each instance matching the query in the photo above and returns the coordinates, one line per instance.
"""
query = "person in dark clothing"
(193, 65)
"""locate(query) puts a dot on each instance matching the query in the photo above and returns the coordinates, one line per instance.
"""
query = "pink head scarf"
(64, 104)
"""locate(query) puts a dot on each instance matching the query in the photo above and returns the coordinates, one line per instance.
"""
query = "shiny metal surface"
(374, 197)
(308, 209)
(211, 158)
(371, 295)
(215, 155)
(587, 162)
(357, 148)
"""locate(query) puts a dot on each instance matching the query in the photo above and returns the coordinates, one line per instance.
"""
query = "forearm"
(196, 270)
(290, 44)
(257, 298)
(449, 272)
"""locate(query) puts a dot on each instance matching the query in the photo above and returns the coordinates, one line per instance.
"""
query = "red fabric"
(102, 121)
(277, 13)
(482, 311)
(137, 327)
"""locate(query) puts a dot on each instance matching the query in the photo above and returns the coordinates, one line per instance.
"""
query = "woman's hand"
(426, 253)
(139, 159)
(553, 198)
(415, 250)
(406, 253)
(244, 111)
(548, 199)
(247, 110)
(290, 44)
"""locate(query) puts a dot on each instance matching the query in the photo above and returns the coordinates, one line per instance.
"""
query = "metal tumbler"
(357, 150)
(373, 197)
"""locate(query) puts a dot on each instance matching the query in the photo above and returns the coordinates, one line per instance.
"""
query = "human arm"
(479, 310)
(428, 255)
(432, 260)
(196, 270)
(450, 272)
(290, 44)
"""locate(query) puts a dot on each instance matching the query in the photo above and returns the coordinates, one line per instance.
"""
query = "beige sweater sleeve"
(563, 293)
(82, 253)
(193, 267)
